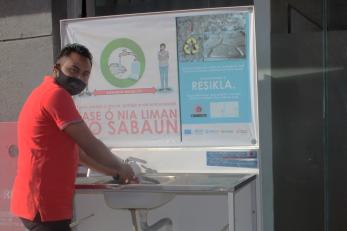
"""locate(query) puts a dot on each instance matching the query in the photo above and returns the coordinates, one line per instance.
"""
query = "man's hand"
(126, 175)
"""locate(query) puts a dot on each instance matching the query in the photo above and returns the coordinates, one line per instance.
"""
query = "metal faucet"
(134, 159)
(137, 164)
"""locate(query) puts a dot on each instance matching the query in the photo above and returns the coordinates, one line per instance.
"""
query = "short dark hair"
(77, 48)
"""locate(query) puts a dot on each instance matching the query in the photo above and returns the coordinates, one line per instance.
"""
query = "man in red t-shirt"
(52, 140)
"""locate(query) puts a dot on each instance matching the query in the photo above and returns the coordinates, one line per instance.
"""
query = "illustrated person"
(52, 139)
(163, 58)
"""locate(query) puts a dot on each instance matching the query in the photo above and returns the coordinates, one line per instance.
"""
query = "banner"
(182, 78)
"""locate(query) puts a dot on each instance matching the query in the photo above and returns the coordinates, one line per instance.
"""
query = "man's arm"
(97, 153)
(91, 163)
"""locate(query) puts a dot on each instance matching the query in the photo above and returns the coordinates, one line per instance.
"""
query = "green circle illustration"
(118, 72)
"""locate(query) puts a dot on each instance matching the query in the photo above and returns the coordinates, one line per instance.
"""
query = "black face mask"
(72, 84)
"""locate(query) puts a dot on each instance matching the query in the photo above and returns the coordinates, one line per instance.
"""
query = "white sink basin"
(140, 199)
(136, 200)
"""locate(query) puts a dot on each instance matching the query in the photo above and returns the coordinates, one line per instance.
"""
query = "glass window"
(113, 7)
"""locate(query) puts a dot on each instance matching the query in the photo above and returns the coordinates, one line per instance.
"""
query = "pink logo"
(198, 109)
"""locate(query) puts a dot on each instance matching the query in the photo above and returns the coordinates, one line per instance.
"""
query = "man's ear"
(55, 69)
(56, 66)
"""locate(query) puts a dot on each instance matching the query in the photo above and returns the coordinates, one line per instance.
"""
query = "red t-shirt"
(48, 157)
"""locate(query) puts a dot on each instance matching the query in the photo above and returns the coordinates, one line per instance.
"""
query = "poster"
(132, 96)
(181, 78)
(215, 78)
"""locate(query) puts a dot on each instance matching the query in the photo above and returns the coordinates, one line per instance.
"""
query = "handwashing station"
(175, 95)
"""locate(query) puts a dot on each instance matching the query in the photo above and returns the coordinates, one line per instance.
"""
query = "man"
(52, 139)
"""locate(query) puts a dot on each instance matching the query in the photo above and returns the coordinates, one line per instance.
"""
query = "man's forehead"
(74, 59)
